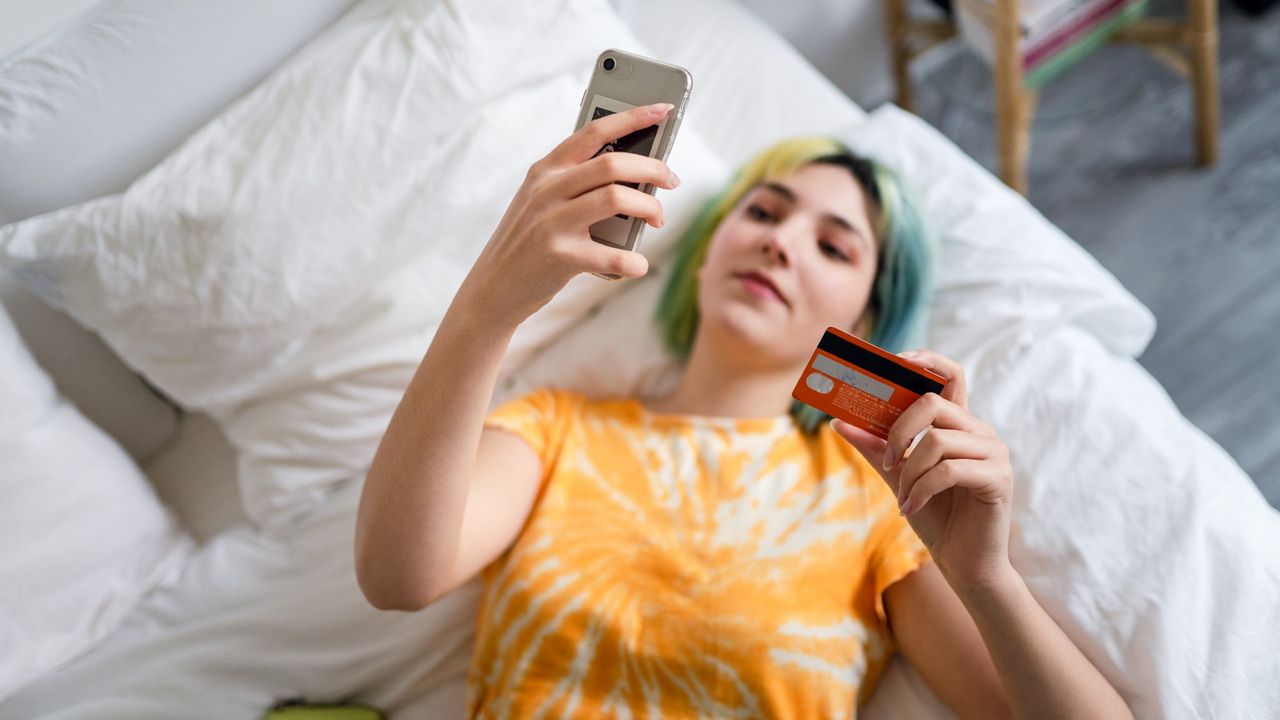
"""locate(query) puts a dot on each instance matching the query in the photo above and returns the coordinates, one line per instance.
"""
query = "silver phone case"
(635, 81)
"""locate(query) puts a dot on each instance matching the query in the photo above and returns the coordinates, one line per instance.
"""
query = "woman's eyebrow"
(832, 218)
(780, 189)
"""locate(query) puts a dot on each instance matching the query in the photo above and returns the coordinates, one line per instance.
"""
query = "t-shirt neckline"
(768, 422)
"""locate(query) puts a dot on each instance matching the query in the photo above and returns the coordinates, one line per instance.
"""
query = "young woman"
(715, 552)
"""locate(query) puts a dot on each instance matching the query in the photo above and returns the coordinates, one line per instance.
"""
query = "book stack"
(1052, 34)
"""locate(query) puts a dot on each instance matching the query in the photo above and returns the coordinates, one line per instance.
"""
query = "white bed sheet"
(261, 616)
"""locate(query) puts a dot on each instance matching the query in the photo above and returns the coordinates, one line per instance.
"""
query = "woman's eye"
(831, 250)
(755, 212)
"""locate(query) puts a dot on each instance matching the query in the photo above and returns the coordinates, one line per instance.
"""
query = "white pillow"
(378, 144)
(98, 101)
(89, 107)
(285, 268)
(84, 536)
(1003, 267)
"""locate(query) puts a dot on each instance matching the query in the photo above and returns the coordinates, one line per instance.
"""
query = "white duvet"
(300, 249)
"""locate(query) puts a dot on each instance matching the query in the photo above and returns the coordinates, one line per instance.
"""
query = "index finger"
(586, 142)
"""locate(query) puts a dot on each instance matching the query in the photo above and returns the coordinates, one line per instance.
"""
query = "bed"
(233, 272)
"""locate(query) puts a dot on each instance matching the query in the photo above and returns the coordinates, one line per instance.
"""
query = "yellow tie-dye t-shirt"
(681, 566)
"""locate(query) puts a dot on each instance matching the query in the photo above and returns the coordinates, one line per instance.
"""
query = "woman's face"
(794, 257)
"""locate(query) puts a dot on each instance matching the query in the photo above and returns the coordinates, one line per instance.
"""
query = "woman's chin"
(754, 329)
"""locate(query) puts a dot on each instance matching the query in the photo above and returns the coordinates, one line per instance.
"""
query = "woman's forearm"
(409, 525)
(1044, 673)
(410, 518)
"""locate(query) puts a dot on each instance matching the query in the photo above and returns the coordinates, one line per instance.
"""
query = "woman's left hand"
(956, 485)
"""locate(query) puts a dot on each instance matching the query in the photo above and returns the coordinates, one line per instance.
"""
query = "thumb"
(616, 261)
(870, 447)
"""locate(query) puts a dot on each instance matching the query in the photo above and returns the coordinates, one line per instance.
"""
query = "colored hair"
(901, 293)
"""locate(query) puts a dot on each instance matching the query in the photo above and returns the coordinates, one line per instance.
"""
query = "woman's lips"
(760, 288)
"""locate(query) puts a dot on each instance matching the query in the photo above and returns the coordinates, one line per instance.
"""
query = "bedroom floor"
(1111, 164)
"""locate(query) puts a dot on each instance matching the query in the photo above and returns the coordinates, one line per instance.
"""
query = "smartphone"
(622, 81)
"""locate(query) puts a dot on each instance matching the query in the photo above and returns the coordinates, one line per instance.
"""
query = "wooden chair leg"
(1013, 127)
(1202, 42)
(1014, 104)
(895, 17)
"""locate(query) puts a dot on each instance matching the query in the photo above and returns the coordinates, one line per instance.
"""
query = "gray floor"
(1111, 164)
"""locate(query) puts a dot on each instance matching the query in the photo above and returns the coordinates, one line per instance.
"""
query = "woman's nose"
(779, 241)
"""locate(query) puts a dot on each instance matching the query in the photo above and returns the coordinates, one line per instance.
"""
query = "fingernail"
(903, 510)
(661, 108)
(909, 354)
(675, 180)
(888, 458)
(832, 423)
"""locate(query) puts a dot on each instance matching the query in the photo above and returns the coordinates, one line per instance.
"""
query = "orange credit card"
(863, 385)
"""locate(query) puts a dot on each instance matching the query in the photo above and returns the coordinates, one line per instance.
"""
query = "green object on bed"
(297, 710)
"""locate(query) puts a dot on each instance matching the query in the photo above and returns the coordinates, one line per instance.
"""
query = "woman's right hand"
(543, 241)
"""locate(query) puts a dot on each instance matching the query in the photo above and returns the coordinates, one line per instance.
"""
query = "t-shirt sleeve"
(541, 418)
(894, 551)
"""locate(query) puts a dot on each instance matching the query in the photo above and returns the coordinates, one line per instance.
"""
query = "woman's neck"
(719, 381)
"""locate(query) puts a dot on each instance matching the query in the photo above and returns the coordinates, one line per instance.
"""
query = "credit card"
(863, 385)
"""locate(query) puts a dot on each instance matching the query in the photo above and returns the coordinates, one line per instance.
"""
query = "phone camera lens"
(608, 64)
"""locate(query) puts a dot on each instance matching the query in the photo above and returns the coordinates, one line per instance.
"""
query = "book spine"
(1093, 38)
(1058, 40)
(1067, 15)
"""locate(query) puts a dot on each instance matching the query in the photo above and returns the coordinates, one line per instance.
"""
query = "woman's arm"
(936, 634)
(409, 523)
(956, 489)
(1045, 674)
(411, 543)
(994, 653)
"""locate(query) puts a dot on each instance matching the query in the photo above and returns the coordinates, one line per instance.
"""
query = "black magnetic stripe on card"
(876, 365)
